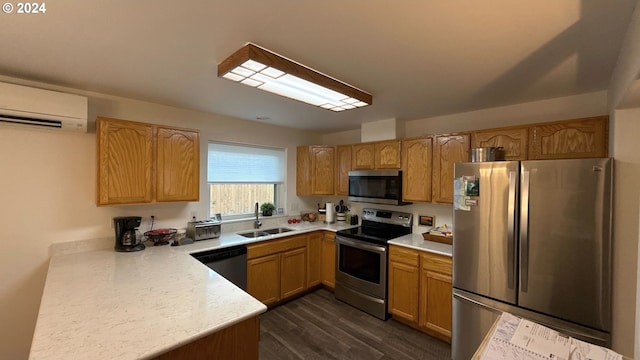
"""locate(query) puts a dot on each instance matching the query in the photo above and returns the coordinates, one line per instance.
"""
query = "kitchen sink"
(277, 230)
(265, 232)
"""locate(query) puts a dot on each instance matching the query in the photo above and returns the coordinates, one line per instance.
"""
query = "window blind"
(232, 163)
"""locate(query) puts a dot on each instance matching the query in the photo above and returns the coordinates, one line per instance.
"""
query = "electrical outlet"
(193, 215)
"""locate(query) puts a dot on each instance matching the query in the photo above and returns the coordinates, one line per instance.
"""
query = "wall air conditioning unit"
(23, 105)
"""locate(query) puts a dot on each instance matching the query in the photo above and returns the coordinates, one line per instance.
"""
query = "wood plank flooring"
(317, 326)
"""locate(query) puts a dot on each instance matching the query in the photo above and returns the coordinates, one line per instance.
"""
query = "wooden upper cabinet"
(144, 163)
(417, 163)
(387, 154)
(514, 141)
(363, 156)
(376, 155)
(178, 167)
(315, 170)
(343, 159)
(578, 138)
(448, 150)
(125, 162)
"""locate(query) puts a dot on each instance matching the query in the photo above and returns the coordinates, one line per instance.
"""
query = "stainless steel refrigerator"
(532, 238)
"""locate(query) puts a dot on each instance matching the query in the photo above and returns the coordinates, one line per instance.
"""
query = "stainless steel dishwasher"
(229, 262)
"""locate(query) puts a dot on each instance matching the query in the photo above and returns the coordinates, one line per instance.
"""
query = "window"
(241, 175)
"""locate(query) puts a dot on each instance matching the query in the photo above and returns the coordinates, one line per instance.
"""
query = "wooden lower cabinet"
(420, 290)
(239, 341)
(293, 274)
(277, 269)
(403, 291)
(436, 294)
(314, 252)
(328, 260)
(263, 278)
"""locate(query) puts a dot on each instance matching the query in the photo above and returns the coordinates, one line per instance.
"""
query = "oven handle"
(361, 245)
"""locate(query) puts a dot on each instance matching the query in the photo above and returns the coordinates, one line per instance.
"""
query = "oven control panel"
(387, 216)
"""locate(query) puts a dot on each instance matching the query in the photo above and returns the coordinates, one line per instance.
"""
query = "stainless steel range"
(362, 257)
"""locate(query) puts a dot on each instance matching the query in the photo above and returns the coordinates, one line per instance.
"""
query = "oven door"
(362, 266)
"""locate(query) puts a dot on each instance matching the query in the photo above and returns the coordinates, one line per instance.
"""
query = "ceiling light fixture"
(260, 68)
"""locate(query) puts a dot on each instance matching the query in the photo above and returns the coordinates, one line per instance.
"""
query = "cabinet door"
(303, 171)
(328, 260)
(363, 156)
(293, 277)
(125, 162)
(323, 159)
(178, 169)
(387, 154)
(579, 138)
(403, 291)
(314, 249)
(448, 150)
(417, 157)
(343, 159)
(435, 307)
(514, 141)
(436, 295)
(263, 278)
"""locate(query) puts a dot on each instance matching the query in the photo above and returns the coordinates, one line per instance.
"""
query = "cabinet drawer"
(403, 255)
(438, 263)
(275, 246)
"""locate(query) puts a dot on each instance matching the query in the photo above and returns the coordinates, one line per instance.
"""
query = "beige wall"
(47, 193)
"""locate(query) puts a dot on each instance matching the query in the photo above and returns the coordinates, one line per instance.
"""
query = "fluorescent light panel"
(257, 67)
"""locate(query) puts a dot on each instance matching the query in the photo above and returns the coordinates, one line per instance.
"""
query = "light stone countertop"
(416, 241)
(109, 305)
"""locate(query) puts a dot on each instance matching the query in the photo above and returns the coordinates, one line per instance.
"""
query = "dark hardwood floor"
(317, 326)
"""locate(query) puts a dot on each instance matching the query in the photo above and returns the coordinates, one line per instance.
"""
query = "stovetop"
(380, 226)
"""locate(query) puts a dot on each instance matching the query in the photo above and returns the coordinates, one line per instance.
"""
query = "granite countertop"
(416, 241)
(109, 305)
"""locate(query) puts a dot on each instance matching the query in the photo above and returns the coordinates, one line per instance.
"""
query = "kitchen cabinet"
(404, 281)
(448, 149)
(436, 293)
(315, 170)
(376, 155)
(417, 164)
(363, 156)
(343, 160)
(178, 166)
(578, 138)
(328, 260)
(513, 140)
(145, 163)
(420, 290)
(239, 341)
(277, 269)
(314, 252)
(263, 278)
(293, 278)
(387, 154)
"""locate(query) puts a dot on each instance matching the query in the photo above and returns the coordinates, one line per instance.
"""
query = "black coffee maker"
(126, 240)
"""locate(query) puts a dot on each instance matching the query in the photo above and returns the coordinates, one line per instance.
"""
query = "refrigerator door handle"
(524, 233)
(511, 233)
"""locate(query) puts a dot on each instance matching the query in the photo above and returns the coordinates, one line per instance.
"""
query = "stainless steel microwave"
(376, 186)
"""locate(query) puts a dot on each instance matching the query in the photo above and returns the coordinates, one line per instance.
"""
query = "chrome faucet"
(257, 223)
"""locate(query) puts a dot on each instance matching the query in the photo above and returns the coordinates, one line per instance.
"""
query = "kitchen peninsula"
(144, 305)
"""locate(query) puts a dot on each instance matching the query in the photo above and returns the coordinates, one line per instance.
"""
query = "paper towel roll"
(331, 213)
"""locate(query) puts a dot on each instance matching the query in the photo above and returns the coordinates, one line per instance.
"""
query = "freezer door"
(565, 249)
(484, 248)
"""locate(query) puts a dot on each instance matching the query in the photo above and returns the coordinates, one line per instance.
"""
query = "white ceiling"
(418, 58)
